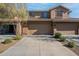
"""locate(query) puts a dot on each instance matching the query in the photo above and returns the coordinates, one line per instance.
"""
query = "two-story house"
(46, 22)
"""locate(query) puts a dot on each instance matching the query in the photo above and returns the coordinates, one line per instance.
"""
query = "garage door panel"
(66, 28)
(38, 28)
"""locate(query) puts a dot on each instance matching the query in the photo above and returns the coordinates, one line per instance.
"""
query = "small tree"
(3, 11)
(22, 12)
(10, 11)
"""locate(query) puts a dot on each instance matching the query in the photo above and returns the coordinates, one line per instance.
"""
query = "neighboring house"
(43, 23)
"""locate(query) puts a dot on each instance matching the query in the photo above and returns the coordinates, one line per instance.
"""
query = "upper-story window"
(31, 14)
(44, 15)
(59, 13)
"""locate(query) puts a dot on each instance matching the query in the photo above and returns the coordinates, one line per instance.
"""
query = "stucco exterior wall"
(65, 15)
(53, 13)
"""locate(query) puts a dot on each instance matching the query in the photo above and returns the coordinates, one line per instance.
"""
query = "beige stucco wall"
(65, 15)
(66, 28)
(53, 13)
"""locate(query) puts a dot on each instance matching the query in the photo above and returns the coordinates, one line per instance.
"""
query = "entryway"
(7, 29)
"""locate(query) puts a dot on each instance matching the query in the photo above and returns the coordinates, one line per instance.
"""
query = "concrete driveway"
(38, 46)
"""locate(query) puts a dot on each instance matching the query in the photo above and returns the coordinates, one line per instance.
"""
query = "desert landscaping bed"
(71, 43)
(75, 49)
(3, 47)
(8, 43)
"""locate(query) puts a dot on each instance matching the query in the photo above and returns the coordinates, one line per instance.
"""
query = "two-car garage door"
(38, 28)
(66, 28)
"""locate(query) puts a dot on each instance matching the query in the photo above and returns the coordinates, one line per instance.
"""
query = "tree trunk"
(18, 28)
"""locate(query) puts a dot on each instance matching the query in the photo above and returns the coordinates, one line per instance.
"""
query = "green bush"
(6, 41)
(71, 44)
(57, 35)
(18, 37)
(62, 39)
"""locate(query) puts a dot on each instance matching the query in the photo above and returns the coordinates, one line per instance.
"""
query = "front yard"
(38, 46)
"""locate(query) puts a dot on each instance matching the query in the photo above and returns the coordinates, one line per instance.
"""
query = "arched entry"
(7, 29)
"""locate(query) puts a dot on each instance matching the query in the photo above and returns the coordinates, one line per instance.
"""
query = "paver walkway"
(30, 46)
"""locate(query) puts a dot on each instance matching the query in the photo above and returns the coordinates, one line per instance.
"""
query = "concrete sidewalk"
(29, 46)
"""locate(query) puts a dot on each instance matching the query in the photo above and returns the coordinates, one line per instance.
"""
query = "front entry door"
(11, 29)
(7, 29)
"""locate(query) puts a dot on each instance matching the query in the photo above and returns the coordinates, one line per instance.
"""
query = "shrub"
(7, 41)
(62, 39)
(57, 35)
(18, 37)
(71, 44)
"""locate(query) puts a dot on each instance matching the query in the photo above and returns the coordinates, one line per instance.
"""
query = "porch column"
(54, 28)
(18, 28)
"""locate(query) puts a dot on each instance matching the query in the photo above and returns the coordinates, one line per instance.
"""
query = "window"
(59, 12)
(31, 13)
(44, 14)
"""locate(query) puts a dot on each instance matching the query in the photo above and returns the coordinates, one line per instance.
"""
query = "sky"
(74, 7)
